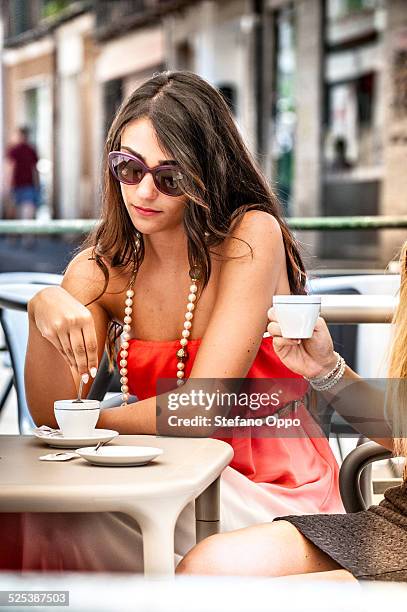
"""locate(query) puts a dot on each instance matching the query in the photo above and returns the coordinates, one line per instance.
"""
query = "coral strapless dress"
(300, 473)
(269, 476)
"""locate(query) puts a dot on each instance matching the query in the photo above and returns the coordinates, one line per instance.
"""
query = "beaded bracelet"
(332, 378)
(321, 379)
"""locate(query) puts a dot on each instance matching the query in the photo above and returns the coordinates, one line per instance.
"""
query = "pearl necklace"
(181, 354)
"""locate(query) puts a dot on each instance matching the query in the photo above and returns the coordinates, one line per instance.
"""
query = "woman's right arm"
(360, 403)
(66, 338)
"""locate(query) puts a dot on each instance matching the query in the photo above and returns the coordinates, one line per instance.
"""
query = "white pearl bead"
(128, 310)
(191, 297)
(185, 333)
(187, 325)
(126, 336)
(130, 293)
(193, 289)
(180, 365)
(188, 316)
(127, 320)
(125, 397)
(123, 363)
(124, 380)
(125, 345)
(183, 342)
(126, 328)
(123, 354)
(190, 306)
(125, 389)
(123, 372)
(129, 302)
(180, 374)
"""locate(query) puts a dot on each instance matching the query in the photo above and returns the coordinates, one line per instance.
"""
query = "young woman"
(369, 545)
(191, 243)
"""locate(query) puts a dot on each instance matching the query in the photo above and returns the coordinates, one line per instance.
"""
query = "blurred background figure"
(340, 161)
(22, 180)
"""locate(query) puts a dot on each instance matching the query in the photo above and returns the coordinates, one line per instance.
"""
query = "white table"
(154, 495)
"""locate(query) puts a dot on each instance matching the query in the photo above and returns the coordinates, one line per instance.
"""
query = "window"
(352, 135)
(112, 98)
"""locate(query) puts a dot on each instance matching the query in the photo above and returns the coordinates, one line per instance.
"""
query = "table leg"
(158, 550)
(157, 526)
(207, 511)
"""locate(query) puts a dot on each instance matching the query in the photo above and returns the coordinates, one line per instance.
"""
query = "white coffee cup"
(77, 419)
(297, 314)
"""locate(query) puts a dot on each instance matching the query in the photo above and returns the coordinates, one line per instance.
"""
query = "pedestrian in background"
(22, 181)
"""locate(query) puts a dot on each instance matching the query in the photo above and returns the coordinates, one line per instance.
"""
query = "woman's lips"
(146, 212)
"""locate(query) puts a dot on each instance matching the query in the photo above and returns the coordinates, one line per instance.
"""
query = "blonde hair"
(398, 366)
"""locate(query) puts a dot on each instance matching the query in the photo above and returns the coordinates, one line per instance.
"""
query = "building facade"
(317, 88)
(334, 115)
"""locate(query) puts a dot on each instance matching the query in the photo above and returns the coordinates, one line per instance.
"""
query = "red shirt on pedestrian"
(25, 160)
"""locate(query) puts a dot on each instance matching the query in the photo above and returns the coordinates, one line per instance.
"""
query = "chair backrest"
(16, 288)
(15, 328)
(351, 471)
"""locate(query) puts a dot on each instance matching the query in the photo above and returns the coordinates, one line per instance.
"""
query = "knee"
(206, 558)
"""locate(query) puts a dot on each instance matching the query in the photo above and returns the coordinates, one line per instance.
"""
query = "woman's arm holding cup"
(353, 398)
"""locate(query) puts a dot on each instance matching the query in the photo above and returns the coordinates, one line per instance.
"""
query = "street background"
(317, 87)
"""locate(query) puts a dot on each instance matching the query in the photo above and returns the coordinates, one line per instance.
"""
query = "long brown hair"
(398, 366)
(194, 126)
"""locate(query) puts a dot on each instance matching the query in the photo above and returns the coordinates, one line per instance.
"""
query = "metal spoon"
(98, 445)
(79, 399)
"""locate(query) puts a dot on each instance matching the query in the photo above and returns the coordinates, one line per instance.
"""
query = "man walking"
(23, 180)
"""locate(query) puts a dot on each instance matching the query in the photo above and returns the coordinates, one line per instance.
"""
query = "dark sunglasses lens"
(126, 169)
(169, 181)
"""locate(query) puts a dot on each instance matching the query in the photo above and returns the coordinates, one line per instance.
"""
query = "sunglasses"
(131, 170)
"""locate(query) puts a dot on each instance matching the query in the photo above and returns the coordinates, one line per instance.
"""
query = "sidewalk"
(46, 254)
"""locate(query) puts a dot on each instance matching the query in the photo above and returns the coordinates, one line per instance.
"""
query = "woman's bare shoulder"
(88, 280)
(255, 221)
(255, 230)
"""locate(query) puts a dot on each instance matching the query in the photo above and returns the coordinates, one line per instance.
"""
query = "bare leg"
(271, 549)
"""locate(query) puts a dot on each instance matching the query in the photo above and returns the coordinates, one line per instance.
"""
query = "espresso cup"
(297, 314)
(76, 419)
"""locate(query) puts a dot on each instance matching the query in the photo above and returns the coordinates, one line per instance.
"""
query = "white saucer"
(120, 455)
(57, 440)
